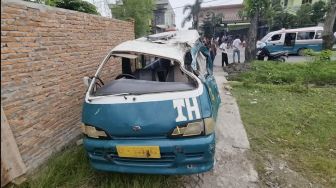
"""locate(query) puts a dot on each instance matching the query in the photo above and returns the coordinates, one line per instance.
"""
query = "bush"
(319, 73)
(324, 55)
(77, 5)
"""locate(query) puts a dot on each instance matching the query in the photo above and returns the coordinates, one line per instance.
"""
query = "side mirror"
(87, 80)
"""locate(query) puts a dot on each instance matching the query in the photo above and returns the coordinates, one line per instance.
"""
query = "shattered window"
(201, 62)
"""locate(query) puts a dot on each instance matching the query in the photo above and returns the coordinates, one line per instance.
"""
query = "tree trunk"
(327, 35)
(250, 50)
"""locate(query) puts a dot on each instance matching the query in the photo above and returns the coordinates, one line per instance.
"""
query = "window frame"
(309, 32)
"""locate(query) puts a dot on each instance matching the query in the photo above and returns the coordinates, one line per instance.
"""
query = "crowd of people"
(223, 44)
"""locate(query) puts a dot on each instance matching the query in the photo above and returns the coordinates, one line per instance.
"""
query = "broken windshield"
(141, 74)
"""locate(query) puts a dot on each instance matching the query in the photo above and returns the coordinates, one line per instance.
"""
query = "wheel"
(281, 59)
(301, 51)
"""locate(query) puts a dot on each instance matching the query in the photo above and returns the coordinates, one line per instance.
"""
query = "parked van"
(158, 115)
(294, 41)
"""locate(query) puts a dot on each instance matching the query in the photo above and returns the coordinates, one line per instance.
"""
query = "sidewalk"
(232, 167)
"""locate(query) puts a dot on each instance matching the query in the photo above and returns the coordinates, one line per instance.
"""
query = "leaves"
(140, 11)
(77, 5)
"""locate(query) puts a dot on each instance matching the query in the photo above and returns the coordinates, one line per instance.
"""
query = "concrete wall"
(45, 52)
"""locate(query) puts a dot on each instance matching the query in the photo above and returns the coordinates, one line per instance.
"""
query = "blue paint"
(178, 156)
(294, 49)
(157, 120)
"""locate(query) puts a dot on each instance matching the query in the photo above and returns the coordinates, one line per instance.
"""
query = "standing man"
(222, 47)
(236, 44)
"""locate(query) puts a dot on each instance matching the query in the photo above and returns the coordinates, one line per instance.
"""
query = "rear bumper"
(178, 156)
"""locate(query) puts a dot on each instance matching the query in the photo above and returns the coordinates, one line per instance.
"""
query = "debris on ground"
(236, 68)
(278, 174)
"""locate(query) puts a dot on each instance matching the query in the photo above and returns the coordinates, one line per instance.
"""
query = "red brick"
(45, 53)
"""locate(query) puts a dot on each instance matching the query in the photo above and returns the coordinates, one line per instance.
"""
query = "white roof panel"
(168, 44)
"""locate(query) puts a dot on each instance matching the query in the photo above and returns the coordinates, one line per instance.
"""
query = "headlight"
(202, 127)
(209, 126)
(92, 132)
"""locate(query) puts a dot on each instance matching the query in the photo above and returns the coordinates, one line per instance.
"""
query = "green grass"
(289, 120)
(71, 168)
(317, 73)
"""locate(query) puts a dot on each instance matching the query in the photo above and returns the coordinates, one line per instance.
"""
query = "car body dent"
(148, 119)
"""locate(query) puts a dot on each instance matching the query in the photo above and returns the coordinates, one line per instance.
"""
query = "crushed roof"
(172, 45)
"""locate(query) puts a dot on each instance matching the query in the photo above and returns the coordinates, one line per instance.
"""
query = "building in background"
(163, 17)
(231, 21)
(230, 13)
(102, 7)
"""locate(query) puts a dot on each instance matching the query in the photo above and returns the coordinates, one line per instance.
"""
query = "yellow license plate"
(139, 151)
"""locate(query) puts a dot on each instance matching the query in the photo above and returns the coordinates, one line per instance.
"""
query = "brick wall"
(45, 52)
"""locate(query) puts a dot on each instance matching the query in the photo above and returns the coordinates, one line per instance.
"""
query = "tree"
(278, 17)
(318, 12)
(139, 11)
(253, 9)
(327, 35)
(194, 11)
(77, 5)
(303, 16)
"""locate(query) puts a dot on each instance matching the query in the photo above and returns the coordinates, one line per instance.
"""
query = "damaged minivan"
(157, 116)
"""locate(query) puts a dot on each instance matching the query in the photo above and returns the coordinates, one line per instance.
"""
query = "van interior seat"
(175, 74)
(145, 74)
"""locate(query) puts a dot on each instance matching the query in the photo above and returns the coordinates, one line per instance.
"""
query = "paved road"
(232, 167)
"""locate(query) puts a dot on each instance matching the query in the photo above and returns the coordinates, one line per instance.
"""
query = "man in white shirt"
(236, 44)
(222, 47)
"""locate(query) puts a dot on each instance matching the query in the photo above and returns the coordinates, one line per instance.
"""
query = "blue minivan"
(158, 115)
(294, 41)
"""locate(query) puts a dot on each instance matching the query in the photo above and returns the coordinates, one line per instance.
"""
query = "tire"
(301, 51)
(282, 59)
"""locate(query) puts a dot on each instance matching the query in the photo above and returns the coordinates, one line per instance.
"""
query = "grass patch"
(284, 118)
(318, 73)
(71, 168)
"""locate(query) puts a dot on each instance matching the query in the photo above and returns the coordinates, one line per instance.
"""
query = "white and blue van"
(158, 115)
(294, 41)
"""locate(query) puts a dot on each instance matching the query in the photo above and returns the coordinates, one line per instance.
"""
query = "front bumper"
(178, 156)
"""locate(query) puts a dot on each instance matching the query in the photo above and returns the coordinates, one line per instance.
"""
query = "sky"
(178, 8)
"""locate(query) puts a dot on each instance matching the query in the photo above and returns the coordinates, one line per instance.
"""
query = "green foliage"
(194, 11)
(279, 18)
(308, 15)
(252, 7)
(324, 55)
(77, 5)
(318, 73)
(303, 16)
(71, 168)
(319, 9)
(139, 11)
(287, 118)
(296, 127)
